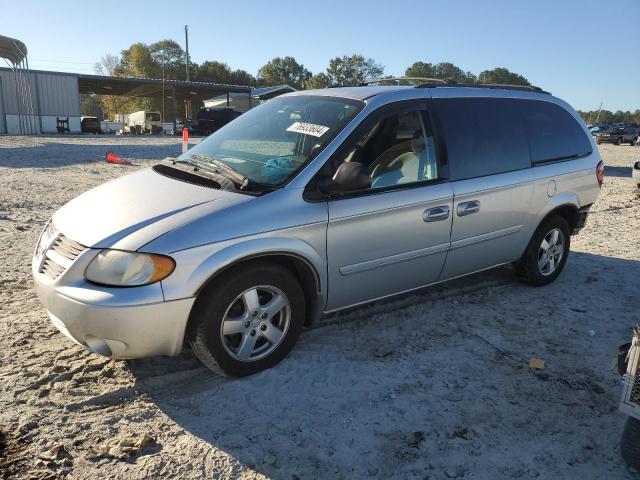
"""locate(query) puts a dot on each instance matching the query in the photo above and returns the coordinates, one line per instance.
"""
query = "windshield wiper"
(235, 176)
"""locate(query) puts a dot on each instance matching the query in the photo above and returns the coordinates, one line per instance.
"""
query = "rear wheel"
(547, 252)
(630, 445)
(634, 141)
(248, 320)
(619, 141)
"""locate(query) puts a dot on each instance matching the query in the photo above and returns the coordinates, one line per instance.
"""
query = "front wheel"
(248, 320)
(630, 446)
(547, 252)
(619, 141)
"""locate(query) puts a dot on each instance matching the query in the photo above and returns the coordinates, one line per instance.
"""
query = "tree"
(169, 53)
(353, 70)
(283, 71)
(319, 80)
(108, 65)
(137, 62)
(443, 70)
(502, 76)
(218, 72)
(421, 69)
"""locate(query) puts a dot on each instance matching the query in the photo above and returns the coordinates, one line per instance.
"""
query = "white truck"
(144, 122)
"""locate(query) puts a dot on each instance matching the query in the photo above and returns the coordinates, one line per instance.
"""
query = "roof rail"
(397, 80)
(425, 82)
(496, 86)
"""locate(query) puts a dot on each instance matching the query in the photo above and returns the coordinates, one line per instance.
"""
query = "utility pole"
(187, 101)
(186, 38)
(598, 114)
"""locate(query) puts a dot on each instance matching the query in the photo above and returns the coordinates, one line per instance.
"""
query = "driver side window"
(398, 149)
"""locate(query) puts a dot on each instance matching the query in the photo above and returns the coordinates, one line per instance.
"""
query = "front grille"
(60, 255)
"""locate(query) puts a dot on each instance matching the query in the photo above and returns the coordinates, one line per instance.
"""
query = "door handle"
(436, 214)
(468, 208)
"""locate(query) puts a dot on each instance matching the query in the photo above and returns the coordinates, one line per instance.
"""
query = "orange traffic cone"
(113, 158)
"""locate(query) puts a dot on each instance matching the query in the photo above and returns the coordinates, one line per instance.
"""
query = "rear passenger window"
(484, 136)
(553, 132)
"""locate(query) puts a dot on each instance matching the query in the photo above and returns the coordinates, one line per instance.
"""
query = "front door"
(395, 236)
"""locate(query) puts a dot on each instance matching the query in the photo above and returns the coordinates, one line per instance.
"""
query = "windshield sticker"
(308, 129)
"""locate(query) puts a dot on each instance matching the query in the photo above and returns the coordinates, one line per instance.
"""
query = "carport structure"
(14, 52)
(174, 91)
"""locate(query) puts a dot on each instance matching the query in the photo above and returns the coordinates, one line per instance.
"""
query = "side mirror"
(350, 177)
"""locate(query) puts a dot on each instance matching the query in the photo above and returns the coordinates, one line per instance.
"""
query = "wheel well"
(568, 212)
(302, 269)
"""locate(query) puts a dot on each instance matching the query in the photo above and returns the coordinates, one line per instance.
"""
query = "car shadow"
(62, 151)
(423, 380)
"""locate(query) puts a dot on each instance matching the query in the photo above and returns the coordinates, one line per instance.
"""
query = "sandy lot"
(432, 385)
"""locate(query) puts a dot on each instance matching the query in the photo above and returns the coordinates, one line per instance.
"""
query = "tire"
(532, 267)
(630, 445)
(634, 141)
(619, 141)
(225, 302)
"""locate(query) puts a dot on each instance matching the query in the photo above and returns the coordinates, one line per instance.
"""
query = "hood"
(132, 210)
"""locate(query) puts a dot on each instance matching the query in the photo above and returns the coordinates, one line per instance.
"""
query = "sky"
(583, 51)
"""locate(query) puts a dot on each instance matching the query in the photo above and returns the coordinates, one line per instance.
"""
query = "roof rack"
(448, 82)
(397, 80)
(495, 86)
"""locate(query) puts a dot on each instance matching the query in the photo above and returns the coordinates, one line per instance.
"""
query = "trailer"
(144, 122)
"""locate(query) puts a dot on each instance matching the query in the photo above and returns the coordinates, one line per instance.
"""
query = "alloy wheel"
(551, 252)
(255, 323)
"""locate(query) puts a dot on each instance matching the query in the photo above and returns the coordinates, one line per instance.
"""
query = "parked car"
(90, 125)
(212, 119)
(617, 135)
(630, 403)
(311, 203)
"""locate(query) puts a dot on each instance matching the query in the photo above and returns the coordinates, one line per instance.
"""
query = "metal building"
(54, 95)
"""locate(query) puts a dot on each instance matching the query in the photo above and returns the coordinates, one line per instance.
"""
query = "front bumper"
(114, 322)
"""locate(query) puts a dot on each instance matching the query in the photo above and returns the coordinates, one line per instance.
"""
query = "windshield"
(153, 117)
(272, 142)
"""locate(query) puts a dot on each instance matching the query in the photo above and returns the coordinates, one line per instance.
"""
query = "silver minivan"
(314, 202)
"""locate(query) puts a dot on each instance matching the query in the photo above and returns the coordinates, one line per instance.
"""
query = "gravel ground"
(432, 385)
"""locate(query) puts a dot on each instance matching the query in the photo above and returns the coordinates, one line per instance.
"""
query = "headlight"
(46, 238)
(118, 268)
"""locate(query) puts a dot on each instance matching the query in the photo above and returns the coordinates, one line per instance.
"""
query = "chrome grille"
(60, 255)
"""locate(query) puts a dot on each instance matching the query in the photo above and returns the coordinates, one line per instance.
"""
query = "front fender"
(194, 267)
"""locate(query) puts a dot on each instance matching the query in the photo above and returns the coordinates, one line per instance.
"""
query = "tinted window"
(553, 132)
(484, 136)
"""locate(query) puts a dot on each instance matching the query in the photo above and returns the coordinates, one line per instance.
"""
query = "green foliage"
(444, 71)
(283, 71)
(352, 70)
(319, 80)
(218, 72)
(502, 76)
(605, 116)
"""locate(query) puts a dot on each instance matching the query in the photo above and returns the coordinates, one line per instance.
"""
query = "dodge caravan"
(314, 202)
